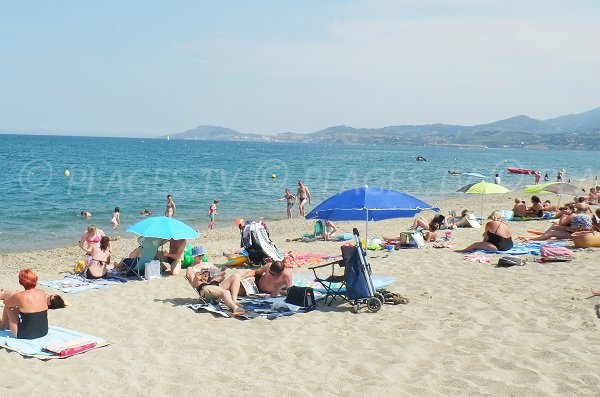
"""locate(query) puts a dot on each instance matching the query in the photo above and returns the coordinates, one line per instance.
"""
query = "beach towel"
(532, 248)
(299, 259)
(256, 307)
(59, 343)
(73, 284)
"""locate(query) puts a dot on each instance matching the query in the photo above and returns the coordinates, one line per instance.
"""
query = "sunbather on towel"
(496, 237)
(520, 208)
(26, 312)
(217, 287)
(438, 219)
(595, 292)
(272, 278)
(99, 263)
(537, 209)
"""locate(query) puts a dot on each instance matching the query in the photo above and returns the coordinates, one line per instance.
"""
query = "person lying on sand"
(428, 236)
(439, 219)
(595, 292)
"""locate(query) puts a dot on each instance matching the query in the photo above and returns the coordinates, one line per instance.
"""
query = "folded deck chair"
(136, 266)
(335, 284)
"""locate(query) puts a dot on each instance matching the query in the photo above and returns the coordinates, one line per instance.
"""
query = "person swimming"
(86, 214)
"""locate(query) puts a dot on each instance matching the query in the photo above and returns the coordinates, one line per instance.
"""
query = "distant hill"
(576, 131)
(586, 121)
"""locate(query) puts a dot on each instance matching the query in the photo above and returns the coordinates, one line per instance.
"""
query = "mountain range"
(575, 131)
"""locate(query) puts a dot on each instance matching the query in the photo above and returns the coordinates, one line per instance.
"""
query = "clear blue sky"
(147, 68)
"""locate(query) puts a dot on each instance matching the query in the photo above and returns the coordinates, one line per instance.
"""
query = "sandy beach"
(470, 329)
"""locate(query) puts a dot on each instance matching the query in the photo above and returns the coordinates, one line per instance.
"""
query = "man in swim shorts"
(303, 195)
(272, 278)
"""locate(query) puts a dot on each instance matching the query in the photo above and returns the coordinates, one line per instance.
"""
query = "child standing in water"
(212, 212)
(116, 218)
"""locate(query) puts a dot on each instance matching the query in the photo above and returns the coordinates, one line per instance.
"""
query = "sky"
(148, 68)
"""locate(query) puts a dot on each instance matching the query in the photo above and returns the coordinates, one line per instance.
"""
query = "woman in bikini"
(537, 209)
(496, 237)
(290, 199)
(171, 208)
(25, 313)
(99, 263)
(216, 287)
(91, 238)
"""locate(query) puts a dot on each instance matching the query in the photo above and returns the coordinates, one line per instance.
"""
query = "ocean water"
(40, 205)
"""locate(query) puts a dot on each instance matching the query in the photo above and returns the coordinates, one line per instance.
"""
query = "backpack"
(301, 296)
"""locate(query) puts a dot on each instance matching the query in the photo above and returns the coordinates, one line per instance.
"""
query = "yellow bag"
(79, 266)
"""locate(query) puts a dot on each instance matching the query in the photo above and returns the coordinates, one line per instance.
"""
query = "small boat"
(421, 158)
(520, 171)
(454, 172)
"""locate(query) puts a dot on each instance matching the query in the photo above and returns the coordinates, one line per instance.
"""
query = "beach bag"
(301, 296)
(554, 253)
(508, 261)
(413, 239)
(152, 270)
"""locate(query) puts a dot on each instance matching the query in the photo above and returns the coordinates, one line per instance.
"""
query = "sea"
(46, 181)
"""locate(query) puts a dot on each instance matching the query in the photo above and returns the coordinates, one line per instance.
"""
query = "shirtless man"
(175, 255)
(303, 195)
(520, 208)
(271, 278)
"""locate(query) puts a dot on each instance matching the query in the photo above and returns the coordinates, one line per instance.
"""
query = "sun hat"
(239, 221)
(198, 250)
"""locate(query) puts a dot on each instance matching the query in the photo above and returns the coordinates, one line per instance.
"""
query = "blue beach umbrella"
(163, 227)
(368, 204)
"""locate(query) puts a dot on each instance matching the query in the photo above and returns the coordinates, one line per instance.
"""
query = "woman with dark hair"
(26, 312)
(537, 209)
(99, 262)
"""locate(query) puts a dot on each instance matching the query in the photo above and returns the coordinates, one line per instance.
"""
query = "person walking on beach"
(303, 195)
(290, 199)
(171, 208)
(116, 218)
(212, 213)
(537, 176)
(559, 176)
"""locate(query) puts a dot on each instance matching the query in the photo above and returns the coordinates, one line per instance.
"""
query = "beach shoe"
(394, 298)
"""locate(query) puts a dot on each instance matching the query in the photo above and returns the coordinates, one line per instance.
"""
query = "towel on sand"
(65, 341)
(74, 284)
(532, 248)
(267, 307)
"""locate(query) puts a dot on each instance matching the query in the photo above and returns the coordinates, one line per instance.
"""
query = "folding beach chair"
(136, 266)
(335, 283)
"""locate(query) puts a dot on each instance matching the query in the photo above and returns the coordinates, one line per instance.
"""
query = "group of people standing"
(302, 196)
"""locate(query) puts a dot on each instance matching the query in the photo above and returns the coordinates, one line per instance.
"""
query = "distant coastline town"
(576, 132)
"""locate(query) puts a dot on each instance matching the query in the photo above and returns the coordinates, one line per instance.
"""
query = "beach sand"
(470, 329)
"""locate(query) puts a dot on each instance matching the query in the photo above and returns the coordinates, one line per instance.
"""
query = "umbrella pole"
(366, 229)
(482, 206)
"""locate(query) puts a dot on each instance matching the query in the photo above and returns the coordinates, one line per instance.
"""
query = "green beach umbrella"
(537, 189)
(483, 188)
(558, 188)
